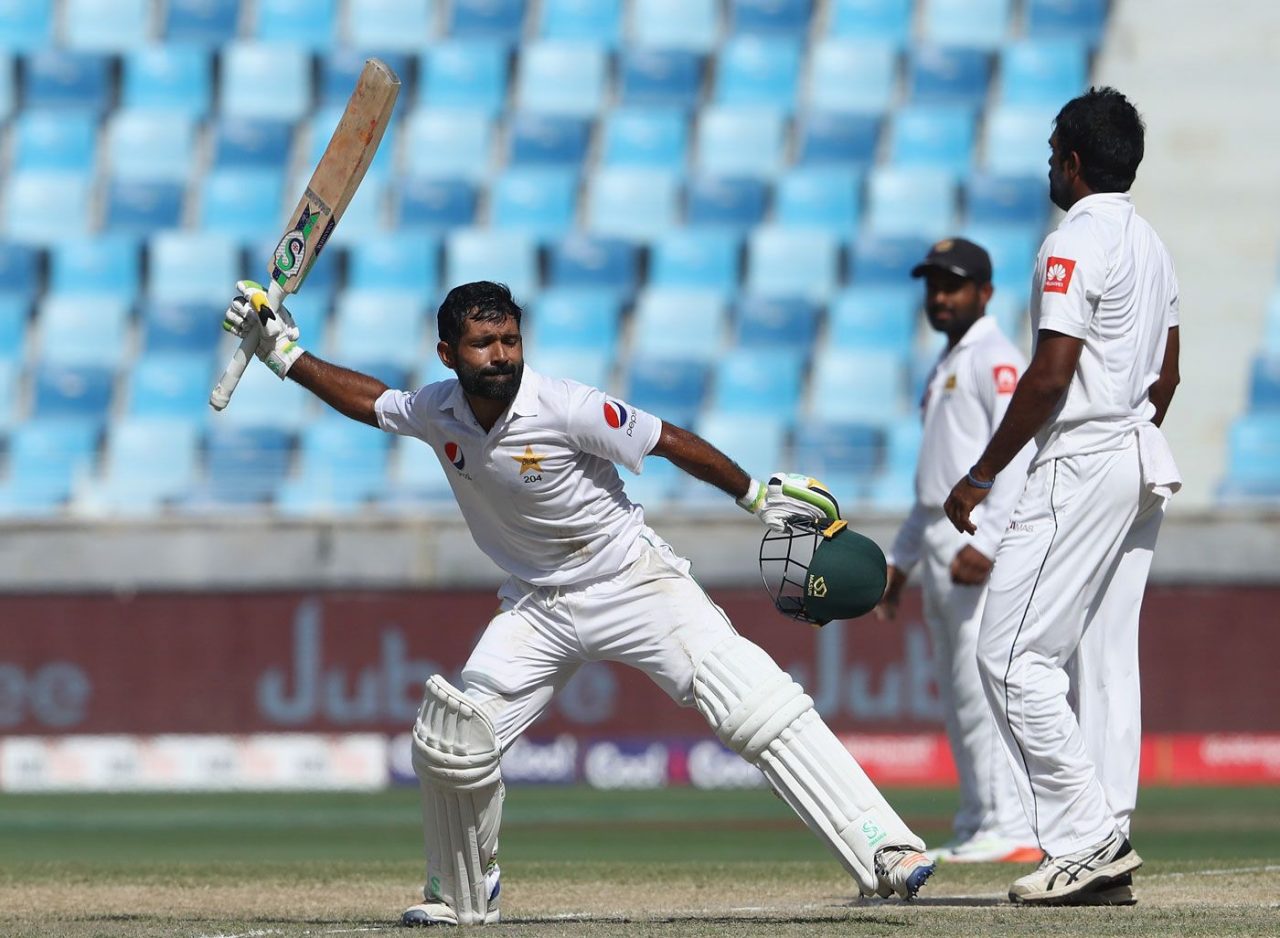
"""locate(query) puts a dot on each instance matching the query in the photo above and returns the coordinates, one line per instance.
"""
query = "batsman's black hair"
(483, 301)
(1105, 129)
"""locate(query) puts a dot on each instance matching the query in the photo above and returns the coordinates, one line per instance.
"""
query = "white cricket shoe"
(986, 848)
(434, 911)
(902, 870)
(1079, 878)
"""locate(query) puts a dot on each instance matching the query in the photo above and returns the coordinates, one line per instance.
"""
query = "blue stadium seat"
(877, 259)
(758, 71)
(148, 463)
(1081, 19)
(58, 141)
(659, 77)
(1043, 72)
(902, 448)
(434, 204)
(181, 327)
(792, 262)
(45, 207)
(591, 367)
(19, 271)
(142, 206)
(645, 137)
(1253, 450)
(241, 144)
(390, 25)
(1264, 383)
(740, 141)
(538, 200)
(771, 17)
(244, 465)
(762, 381)
(47, 458)
(872, 19)
(831, 139)
(242, 203)
(780, 323)
(1008, 306)
(1013, 250)
(904, 200)
(850, 75)
(566, 78)
(150, 146)
(415, 475)
(82, 330)
(8, 85)
(572, 318)
(823, 197)
(106, 25)
(364, 319)
(508, 257)
(248, 68)
(207, 23)
(63, 79)
(994, 199)
(15, 311)
(340, 70)
(263, 400)
(598, 21)
(168, 78)
(26, 25)
(466, 74)
(858, 385)
(171, 385)
(948, 75)
(608, 265)
(676, 24)
(74, 391)
(447, 143)
(1015, 139)
(843, 454)
(341, 464)
(632, 203)
(735, 204)
(937, 135)
(755, 441)
(977, 24)
(101, 265)
(695, 258)
(893, 490)
(308, 24)
(672, 389)
(494, 19)
(9, 371)
(396, 262)
(548, 139)
(657, 487)
(673, 324)
(190, 265)
(878, 317)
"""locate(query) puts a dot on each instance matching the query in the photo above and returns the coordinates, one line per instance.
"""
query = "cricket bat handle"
(226, 385)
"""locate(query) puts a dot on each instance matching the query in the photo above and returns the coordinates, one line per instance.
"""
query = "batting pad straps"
(454, 744)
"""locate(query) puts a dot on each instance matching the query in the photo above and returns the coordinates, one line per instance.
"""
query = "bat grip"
(226, 385)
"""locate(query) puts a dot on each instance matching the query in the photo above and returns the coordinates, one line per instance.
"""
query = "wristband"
(977, 483)
(754, 497)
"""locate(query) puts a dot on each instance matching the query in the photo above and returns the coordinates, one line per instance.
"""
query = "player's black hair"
(1105, 129)
(483, 301)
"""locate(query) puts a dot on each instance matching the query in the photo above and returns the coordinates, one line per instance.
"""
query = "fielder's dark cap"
(958, 256)
(846, 577)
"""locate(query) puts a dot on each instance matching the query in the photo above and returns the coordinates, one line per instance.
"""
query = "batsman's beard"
(495, 383)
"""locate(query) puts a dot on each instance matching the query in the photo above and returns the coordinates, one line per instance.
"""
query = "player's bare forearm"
(350, 393)
(1161, 392)
(1038, 393)
(701, 460)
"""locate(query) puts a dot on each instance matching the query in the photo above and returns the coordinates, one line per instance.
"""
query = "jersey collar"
(1096, 200)
(981, 326)
(524, 405)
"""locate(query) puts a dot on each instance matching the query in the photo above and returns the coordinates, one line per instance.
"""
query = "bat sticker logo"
(291, 252)
(453, 453)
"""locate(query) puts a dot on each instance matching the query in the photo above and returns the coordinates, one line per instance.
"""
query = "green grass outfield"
(583, 863)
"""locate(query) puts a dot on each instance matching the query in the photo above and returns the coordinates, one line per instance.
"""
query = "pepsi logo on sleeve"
(618, 417)
(1057, 274)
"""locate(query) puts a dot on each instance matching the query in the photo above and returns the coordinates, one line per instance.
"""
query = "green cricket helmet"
(817, 571)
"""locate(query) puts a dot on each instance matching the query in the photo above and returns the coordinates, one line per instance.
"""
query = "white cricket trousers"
(1058, 645)
(989, 802)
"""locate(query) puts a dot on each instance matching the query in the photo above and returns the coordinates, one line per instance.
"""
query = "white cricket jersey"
(1105, 277)
(539, 491)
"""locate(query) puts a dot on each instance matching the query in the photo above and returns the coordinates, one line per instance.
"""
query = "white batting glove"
(277, 332)
(789, 495)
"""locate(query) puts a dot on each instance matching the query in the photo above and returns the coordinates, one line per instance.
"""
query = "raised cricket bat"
(334, 182)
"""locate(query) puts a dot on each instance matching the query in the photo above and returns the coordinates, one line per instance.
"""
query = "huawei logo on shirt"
(1057, 274)
(1006, 378)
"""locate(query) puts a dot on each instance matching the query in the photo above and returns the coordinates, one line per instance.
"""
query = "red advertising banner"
(355, 661)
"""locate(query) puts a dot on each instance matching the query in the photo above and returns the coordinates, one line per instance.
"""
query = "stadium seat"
(760, 381)
(934, 135)
(101, 265)
(63, 79)
(401, 262)
(493, 19)
(45, 207)
(597, 21)
(508, 257)
(1008, 306)
(364, 320)
(903, 200)
(872, 19)
(244, 465)
(948, 75)
(657, 487)
(206, 23)
(19, 271)
(755, 441)
(994, 199)
(844, 454)
(671, 324)
(1264, 383)
(248, 68)
(434, 204)
(676, 24)
(26, 25)
(781, 323)
(902, 447)
(632, 203)
(770, 17)
(54, 141)
(465, 74)
(572, 318)
(976, 24)
(758, 71)
(567, 78)
(877, 259)
(173, 386)
(671, 389)
(340, 71)
(880, 317)
(848, 75)
(181, 326)
(1013, 250)
(242, 203)
(47, 459)
(148, 146)
(169, 79)
(10, 369)
(734, 204)
(238, 144)
(263, 400)
(659, 77)
(695, 258)
(8, 84)
(1061, 19)
(591, 367)
(832, 139)
(580, 261)
(740, 141)
(73, 391)
(106, 25)
(547, 139)
(415, 476)
(190, 265)
(341, 464)
(645, 137)
(148, 462)
(893, 490)
(785, 261)
(1253, 450)
(15, 311)
(1043, 72)
(538, 200)
(142, 206)
(823, 197)
(1015, 140)
(858, 385)
(82, 330)
(390, 25)
(306, 24)
(447, 143)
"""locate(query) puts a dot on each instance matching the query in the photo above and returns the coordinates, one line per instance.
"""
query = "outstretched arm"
(701, 460)
(350, 393)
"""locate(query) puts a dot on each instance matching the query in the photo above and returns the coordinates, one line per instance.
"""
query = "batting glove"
(277, 332)
(787, 496)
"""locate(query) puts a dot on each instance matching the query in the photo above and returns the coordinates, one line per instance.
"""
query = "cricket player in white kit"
(967, 394)
(531, 460)
(1058, 645)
